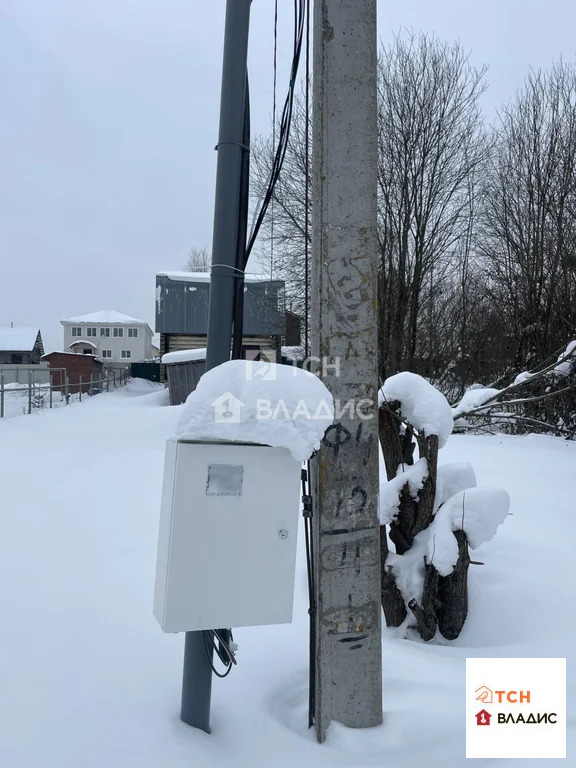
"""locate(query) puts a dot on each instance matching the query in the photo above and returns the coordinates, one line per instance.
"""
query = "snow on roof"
(184, 356)
(73, 354)
(18, 339)
(204, 277)
(106, 316)
(82, 341)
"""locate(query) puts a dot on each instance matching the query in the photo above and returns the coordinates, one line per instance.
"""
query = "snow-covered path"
(88, 680)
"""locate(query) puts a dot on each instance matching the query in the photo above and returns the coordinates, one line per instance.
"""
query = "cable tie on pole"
(240, 272)
(233, 143)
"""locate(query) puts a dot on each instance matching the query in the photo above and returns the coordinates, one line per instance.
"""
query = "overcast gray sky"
(109, 117)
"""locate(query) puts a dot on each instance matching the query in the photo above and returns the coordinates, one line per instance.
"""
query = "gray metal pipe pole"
(228, 175)
(197, 675)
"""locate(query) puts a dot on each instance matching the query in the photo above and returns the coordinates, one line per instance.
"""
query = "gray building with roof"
(182, 314)
(20, 346)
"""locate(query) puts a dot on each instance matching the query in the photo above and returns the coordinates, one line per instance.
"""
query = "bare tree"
(541, 400)
(431, 147)
(529, 221)
(199, 260)
(283, 236)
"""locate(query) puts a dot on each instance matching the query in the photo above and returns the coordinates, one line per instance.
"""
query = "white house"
(115, 338)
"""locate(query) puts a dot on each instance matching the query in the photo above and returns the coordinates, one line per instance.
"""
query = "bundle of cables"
(284, 127)
(246, 244)
(220, 641)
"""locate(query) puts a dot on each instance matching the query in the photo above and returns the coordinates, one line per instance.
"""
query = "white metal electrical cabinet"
(228, 532)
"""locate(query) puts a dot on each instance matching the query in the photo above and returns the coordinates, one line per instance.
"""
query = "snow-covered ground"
(88, 680)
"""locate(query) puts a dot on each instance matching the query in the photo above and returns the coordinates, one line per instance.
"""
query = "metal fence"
(149, 370)
(18, 399)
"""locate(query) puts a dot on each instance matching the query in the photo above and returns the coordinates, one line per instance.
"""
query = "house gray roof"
(106, 316)
(204, 277)
(18, 339)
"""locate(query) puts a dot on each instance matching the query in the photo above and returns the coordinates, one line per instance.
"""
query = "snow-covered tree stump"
(430, 515)
(452, 608)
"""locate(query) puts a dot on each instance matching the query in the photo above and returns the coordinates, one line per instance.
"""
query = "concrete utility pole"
(346, 530)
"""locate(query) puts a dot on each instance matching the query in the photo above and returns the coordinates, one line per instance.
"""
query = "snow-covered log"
(434, 514)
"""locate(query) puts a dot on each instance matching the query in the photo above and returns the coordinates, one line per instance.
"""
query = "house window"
(106, 353)
(118, 332)
(133, 333)
(76, 331)
(86, 351)
(91, 332)
(105, 332)
(126, 353)
(16, 359)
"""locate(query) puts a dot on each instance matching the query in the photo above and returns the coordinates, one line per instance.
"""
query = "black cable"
(238, 307)
(306, 485)
(210, 647)
(244, 250)
(220, 650)
(307, 188)
(223, 650)
(243, 253)
(285, 123)
(308, 512)
(275, 69)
